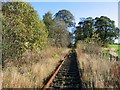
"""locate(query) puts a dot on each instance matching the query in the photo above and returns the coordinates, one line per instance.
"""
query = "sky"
(72, 0)
(80, 9)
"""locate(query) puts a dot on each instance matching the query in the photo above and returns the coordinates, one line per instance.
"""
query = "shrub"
(22, 29)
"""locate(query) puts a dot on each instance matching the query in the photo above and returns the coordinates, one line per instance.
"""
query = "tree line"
(101, 29)
(23, 30)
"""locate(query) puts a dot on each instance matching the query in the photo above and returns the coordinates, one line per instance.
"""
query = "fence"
(112, 57)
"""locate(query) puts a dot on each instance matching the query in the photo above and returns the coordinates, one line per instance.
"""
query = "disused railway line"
(67, 74)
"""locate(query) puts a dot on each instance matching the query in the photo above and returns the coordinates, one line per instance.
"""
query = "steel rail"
(54, 75)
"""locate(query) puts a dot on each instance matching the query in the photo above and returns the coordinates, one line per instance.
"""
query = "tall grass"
(97, 71)
(1, 77)
(32, 69)
(116, 48)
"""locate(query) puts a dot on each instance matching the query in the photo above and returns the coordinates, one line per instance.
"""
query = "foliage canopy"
(66, 16)
(22, 29)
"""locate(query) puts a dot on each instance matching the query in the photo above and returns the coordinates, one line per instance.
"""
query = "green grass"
(105, 53)
(116, 47)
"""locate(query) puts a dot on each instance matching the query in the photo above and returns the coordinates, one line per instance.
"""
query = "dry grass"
(32, 69)
(98, 71)
(1, 77)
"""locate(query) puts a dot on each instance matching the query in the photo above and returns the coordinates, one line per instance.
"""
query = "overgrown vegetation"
(32, 69)
(57, 30)
(97, 71)
(116, 47)
(103, 26)
(31, 48)
(22, 29)
(93, 37)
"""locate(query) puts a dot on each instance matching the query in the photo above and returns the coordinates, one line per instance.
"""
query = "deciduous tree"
(22, 29)
(66, 16)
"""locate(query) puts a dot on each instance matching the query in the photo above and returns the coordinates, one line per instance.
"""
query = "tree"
(47, 18)
(66, 16)
(85, 28)
(105, 27)
(50, 24)
(62, 37)
(57, 32)
(22, 29)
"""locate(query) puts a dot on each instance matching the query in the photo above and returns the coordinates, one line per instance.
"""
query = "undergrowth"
(32, 68)
(97, 71)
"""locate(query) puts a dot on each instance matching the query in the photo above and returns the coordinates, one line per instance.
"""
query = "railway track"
(67, 75)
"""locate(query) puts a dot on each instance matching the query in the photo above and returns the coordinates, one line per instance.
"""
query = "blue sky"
(80, 9)
(72, 0)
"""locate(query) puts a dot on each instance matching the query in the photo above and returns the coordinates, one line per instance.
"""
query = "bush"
(22, 29)
(90, 48)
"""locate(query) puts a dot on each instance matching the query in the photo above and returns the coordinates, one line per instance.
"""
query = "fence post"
(116, 58)
(110, 57)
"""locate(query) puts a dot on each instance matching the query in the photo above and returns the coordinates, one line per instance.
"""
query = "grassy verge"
(32, 69)
(116, 47)
(97, 71)
(1, 77)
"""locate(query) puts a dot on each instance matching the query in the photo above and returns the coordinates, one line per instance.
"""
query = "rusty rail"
(67, 74)
(54, 75)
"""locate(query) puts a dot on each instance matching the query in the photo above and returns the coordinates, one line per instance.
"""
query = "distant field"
(114, 46)
(117, 47)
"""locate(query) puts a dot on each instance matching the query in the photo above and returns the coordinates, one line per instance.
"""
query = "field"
(116, 47)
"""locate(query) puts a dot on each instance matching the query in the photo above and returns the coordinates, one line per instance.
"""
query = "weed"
(98, 72)
(32, 69)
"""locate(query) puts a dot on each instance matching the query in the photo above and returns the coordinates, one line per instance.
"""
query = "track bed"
(68, 75)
